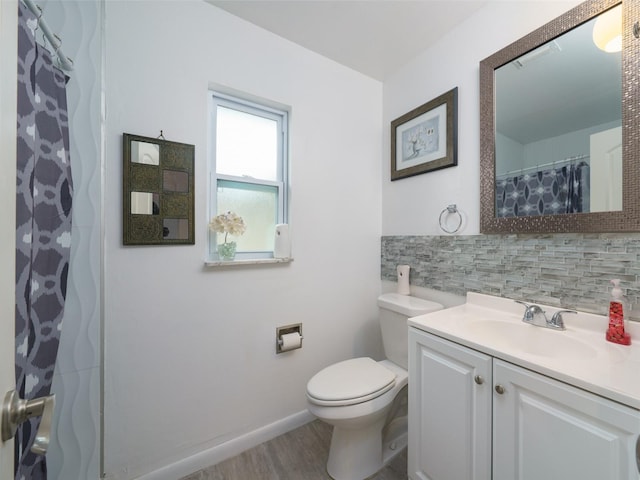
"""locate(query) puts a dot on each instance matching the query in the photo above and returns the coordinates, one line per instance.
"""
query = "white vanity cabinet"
(449, 410)
(546, 429)
(472, 416)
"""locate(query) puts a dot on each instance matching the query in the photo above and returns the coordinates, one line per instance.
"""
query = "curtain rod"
(536, 168)
(65, 62)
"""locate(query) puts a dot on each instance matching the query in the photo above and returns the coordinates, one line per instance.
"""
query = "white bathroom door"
(606, 170)
(8, 109)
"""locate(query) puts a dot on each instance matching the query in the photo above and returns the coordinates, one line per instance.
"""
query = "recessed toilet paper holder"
(295, 328)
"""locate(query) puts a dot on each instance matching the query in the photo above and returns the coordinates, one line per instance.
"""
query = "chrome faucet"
(534, 315)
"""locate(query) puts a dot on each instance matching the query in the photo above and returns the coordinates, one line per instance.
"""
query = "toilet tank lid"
(407, 305)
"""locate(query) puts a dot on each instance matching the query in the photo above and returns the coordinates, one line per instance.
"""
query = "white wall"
(513, 156)
(412, 206)
(190, 352)
(8, 108)
(564, 146)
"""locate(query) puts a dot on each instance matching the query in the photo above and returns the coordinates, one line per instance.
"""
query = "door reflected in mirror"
(175, 229)
(145, 153)
(558, 128)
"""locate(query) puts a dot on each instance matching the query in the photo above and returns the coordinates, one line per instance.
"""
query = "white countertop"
(579, 355)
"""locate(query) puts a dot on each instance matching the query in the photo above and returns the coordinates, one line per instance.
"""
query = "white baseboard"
(229, 449)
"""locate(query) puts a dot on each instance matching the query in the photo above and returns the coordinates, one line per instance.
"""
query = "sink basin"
(532, 339)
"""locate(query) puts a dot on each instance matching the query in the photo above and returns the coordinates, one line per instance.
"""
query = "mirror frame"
(626, 220)
(144, 229)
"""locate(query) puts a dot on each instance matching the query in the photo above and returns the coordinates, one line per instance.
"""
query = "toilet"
(366, 400)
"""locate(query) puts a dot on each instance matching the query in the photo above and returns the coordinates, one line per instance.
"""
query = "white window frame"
(281, 116)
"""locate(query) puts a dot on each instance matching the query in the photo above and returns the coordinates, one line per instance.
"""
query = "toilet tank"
(395, 309)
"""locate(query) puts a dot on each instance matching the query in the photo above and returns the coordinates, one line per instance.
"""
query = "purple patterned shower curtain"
(545, 192)
(43, 229)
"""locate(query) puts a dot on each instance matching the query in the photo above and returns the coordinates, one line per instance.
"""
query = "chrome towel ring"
(448, 211)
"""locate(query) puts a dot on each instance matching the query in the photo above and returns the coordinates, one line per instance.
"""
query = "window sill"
(240, 263)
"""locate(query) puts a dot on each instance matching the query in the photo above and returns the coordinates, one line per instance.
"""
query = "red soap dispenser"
(617, 310)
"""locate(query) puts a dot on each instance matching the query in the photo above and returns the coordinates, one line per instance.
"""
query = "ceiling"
(374, 37)
(378, 37)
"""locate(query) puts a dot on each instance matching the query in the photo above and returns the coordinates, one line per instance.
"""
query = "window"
(248, 172)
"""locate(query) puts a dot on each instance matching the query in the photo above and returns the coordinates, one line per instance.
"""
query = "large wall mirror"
(158, 196)
(559, 126)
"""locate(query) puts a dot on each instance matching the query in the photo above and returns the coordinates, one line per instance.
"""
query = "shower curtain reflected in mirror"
(553, 191)
(43, 228)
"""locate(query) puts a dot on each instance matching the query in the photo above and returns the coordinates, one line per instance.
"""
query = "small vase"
(227, 251)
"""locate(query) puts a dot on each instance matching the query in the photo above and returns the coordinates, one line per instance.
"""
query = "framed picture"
(426, 138)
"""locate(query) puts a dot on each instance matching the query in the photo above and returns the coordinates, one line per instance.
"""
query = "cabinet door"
(449, 410)
(545, 429)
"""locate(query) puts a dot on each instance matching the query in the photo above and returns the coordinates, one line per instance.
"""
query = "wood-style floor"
(297, 455)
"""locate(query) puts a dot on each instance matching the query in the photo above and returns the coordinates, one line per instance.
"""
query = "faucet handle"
(527, 311)
(531, 310)
(557, 321)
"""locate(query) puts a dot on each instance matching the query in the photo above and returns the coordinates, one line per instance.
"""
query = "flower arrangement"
(228, 223)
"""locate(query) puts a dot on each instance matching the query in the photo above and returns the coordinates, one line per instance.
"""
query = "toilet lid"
(350, 382)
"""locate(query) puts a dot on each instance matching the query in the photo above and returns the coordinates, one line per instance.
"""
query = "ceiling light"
(607, 31)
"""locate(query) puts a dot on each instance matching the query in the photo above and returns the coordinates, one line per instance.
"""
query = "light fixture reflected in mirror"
(145, 152)
(607, 31)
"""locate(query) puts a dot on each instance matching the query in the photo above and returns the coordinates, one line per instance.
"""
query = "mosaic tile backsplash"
(563, 270)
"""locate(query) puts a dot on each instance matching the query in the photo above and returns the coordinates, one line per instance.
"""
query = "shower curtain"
(43, 228)
(545, 192)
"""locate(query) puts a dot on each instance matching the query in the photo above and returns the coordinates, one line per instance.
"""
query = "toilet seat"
(350, 382)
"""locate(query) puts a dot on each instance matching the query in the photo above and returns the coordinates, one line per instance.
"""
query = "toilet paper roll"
(290, 341)
(282, 244)
(403, 279)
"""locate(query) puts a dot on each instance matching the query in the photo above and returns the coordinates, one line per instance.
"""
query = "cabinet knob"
(479, 379)
(499, 389)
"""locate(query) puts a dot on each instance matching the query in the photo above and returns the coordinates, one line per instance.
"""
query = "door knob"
(499, 389)
(16, 410)
(479, 379)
